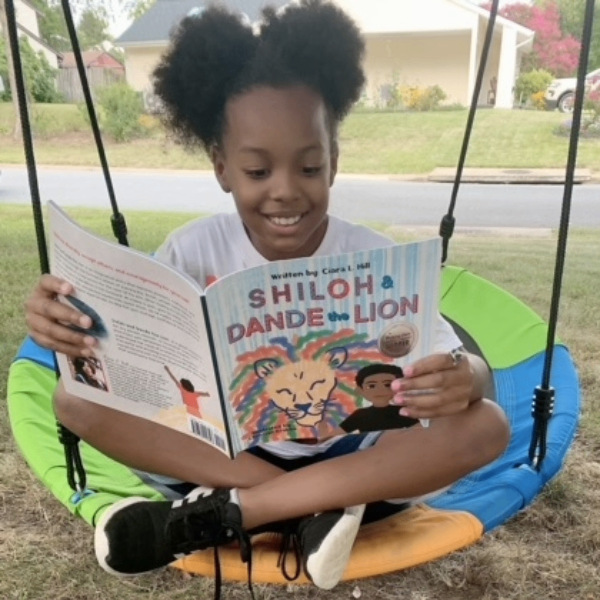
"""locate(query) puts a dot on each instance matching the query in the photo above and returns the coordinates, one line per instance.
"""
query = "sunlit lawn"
(371, 142)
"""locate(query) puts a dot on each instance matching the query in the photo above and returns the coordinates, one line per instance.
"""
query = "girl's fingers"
(64, 347)
(43, 303)
(55, 333)
(54, 285)
(429, 406)
(429, 364)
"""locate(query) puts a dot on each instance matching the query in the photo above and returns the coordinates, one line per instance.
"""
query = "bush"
(121, 109)
(422, 98)
(538, 101)
(40, 77)
(590, 122)
(532, 84)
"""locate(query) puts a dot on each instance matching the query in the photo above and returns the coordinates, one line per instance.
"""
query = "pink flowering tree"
(553, 50)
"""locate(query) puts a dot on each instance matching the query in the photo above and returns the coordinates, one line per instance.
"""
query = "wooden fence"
(69, 86)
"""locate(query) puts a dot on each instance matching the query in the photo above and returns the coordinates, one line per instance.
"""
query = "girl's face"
(276, 160)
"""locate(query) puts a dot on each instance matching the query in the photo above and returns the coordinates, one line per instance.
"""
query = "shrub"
(537, 100)
(121, 109)
(592, 103)
(422, 98)
(531, 84)
(40, 77)
(590, 123)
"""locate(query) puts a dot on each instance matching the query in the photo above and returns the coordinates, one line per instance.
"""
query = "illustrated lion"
(298, 388)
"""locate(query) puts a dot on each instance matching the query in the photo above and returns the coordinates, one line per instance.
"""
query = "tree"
(52, 25)
(553, 50)
(572, 13)
(137, 8)
(93, 28)
(38, 75)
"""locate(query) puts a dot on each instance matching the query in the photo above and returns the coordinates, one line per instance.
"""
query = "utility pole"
(11, 72)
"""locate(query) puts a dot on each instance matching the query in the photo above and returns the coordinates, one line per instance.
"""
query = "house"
(439, 42)
(27, 25)
(147, 38)
(413, 42)
(102, 69)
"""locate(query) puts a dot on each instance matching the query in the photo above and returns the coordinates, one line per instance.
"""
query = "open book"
(291, 350)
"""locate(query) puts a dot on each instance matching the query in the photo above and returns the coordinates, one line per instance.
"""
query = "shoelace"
(210, 525)
(289, 542)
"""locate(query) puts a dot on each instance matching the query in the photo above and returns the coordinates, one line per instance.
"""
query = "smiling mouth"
(285, 221)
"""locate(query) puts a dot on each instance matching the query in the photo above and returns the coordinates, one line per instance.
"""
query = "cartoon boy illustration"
(188, 394)
(374, 381)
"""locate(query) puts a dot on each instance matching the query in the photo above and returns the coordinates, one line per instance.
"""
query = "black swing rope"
(543, 395)
(76, 475)
(543, 403)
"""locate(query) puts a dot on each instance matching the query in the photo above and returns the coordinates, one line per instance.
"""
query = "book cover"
(291, 350)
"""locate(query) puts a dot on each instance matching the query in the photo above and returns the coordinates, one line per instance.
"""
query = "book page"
(291, 338)
(153, 358)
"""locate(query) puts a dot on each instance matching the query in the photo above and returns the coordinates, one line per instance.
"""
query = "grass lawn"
(371, 142)
(551, 551)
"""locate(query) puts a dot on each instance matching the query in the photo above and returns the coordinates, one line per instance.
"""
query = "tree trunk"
(11, 74)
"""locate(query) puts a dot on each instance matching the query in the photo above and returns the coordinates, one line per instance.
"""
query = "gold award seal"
(398, 339)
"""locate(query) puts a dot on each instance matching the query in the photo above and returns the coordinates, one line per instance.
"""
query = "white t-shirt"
(208, 249)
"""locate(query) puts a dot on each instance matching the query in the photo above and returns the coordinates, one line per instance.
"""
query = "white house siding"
(419, 60)
(140, 62)
(50, 56)
(27, 17)
(28, 23)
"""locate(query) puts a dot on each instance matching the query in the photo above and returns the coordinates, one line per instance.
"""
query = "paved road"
(370, 199)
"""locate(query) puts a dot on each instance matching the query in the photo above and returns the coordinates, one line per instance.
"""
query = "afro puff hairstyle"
(217, 55)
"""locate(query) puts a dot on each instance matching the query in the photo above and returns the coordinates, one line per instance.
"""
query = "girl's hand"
(437, 385)
(48, 319)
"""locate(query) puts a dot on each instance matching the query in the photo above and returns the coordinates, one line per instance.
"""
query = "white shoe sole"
(333, 554)
(101, 547)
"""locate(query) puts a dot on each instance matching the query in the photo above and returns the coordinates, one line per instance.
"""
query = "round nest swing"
(513, 345)
(492, 323)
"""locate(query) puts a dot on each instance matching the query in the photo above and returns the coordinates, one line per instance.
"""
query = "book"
(297, 350)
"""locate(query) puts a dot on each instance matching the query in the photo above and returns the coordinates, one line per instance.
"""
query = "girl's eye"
(311, 170)
(257, 173)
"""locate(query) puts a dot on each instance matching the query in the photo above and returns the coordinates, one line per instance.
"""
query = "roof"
(101, 57)
(154, 26)
(524, 33)
(38, 39)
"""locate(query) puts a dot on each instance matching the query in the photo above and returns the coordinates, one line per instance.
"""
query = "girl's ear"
(218, 161)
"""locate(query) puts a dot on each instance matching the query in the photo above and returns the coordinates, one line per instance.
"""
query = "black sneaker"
(326, 542)
(136, 535)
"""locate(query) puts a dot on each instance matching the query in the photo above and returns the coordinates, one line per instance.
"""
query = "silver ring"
(457, 355)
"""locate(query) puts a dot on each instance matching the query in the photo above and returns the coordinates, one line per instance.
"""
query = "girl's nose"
(284, 188)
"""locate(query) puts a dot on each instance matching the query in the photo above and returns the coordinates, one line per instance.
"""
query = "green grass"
(551, 551)
(371, 142)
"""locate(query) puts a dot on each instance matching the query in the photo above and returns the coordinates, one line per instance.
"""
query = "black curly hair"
(216, 56)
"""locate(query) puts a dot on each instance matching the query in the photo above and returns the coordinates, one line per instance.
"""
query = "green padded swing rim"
(29, 404)
(462, 296)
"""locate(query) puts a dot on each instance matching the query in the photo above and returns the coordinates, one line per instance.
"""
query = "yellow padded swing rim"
(415, 536)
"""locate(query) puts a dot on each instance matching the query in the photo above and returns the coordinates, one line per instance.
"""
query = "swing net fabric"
(491, 322)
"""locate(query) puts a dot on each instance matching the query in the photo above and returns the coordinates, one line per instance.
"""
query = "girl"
(266, 105)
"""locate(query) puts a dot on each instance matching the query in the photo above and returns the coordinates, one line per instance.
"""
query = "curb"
(510, 176)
